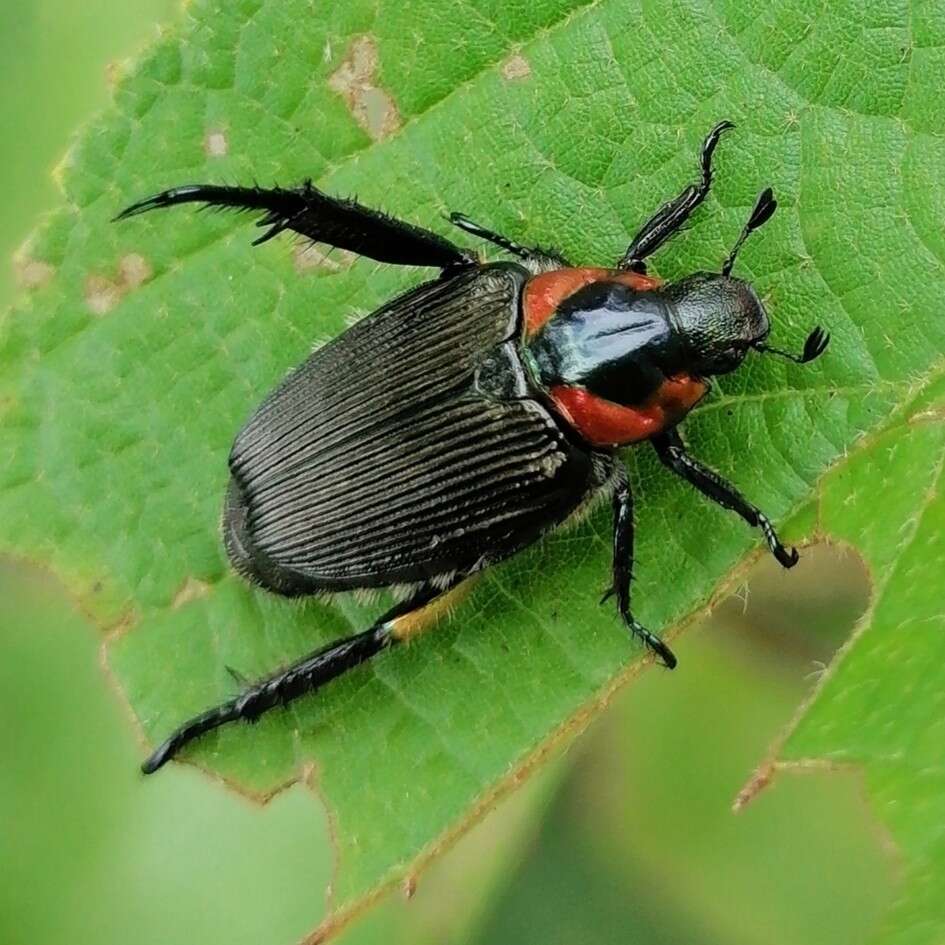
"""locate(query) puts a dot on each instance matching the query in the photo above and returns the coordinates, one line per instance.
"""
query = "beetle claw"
(662, 652)
(786, 557)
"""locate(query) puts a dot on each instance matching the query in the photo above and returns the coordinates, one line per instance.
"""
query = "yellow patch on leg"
(411, 625)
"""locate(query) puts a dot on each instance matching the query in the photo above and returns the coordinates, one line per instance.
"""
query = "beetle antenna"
(764, 207)
(814, 347)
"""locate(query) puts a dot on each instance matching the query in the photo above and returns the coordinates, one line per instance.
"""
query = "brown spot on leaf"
(103, 293)
(215, 144)
(191, 589)
(114, 72)
(32, 273)
(516, 68)
(135, 270)
(354, 80)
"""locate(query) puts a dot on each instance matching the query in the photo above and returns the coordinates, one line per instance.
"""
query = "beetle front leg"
(336, 221)
(674, 455)
(673, 214)
(623, 568)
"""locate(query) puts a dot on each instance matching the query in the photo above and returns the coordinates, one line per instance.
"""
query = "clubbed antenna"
(814, 347)
(764, 207)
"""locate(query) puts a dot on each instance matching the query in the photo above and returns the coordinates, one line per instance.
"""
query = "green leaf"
(881, 706)
(125, 376)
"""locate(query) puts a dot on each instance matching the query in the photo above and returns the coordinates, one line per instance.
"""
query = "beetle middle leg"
(321, 218)
(674, 455)
(674, 213)
(399, 624)
(535, 259)
(623, 567)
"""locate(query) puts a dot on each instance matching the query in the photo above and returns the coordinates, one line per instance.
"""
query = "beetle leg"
(674, 213)
(673, 454)
(237, 676)
(307, 211)
(623, 568)
(399, 624)
(536, 259)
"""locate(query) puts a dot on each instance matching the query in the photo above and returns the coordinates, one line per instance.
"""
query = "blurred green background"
(627, 838)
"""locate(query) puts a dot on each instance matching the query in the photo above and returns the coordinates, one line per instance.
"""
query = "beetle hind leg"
(336, 221)
(623, 567)
(400, 624)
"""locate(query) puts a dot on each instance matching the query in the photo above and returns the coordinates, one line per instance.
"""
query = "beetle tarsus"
(307, 675)
(786, 557)
(674, 455)
(673, 214)
(193, 728)
(335, 221)
(663, 653)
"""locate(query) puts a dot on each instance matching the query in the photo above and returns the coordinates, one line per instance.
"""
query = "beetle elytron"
(464, 419)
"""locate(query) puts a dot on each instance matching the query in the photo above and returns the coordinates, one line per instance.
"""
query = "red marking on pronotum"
(603, 423)
(544, 293)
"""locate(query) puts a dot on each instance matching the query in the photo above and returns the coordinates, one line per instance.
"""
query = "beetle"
(469, 416)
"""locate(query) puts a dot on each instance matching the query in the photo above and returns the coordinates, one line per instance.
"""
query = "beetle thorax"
(609, 338)
(610, 358)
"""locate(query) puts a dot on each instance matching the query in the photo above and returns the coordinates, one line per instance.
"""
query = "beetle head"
(721, 318)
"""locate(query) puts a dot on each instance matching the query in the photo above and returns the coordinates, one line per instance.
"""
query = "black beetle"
(464, 419)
